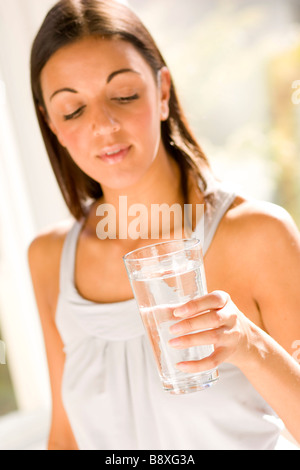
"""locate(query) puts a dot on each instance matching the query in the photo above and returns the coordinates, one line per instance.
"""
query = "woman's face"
(105, 107)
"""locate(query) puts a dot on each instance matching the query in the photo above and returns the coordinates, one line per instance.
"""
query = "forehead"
(92, 55)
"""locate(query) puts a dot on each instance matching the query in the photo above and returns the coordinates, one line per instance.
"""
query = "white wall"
(29, 200)
(19, 22)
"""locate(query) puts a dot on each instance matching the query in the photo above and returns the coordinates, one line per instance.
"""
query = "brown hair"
(67, 22)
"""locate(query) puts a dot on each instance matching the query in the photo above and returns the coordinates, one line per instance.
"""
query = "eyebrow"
(117, 72)
(70, 90)
(109, 79)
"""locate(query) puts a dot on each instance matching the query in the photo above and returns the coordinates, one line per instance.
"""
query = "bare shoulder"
(49, 241)
(44, 254)
(261, 226)
(258, 216)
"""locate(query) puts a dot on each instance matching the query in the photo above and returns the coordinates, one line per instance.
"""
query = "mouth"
(114, 154)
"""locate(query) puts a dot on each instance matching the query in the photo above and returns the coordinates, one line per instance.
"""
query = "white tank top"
(111, 389)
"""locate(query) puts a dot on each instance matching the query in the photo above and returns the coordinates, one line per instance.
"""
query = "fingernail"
(175, 342)
(180, 311)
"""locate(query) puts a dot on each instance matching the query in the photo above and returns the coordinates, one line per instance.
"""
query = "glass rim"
(127, 258)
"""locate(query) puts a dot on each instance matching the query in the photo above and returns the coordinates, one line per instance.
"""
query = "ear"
(50, 124)
(165, 88)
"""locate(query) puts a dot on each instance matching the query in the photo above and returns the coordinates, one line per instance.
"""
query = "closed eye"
(74, 115)
(121, 99)
(126, 99)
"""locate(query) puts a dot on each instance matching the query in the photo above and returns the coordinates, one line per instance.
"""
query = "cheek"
(147, 125)
(74, 142)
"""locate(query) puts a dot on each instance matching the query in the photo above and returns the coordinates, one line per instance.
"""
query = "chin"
(122, 180)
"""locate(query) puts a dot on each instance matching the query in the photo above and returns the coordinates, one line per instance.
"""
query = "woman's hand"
(212, 319)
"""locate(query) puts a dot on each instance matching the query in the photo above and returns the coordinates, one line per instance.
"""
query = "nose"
(104, 123)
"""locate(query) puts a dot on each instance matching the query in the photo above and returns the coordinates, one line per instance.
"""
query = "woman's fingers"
(213, 301)
(203, 314)
(211, 319)
(208, 363)
(215, 337)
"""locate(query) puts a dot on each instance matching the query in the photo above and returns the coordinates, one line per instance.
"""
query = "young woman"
(113, 126)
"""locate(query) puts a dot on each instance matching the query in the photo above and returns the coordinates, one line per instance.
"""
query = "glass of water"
(164, 276)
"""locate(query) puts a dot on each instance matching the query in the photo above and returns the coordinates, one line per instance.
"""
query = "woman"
(113, 126)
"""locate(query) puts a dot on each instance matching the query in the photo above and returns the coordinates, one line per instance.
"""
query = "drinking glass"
(164, 276)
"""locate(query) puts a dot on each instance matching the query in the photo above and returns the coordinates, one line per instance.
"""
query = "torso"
(100, 274)
(233, 261)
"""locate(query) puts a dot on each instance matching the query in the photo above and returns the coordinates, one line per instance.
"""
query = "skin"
(252, 306)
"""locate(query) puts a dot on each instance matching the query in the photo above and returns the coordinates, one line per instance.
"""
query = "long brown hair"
(67, 22)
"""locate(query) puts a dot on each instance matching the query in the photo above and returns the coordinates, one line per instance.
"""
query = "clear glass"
(164, 276)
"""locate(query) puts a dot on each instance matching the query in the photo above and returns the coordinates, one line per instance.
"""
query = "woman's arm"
(44, 256)
(265, 357)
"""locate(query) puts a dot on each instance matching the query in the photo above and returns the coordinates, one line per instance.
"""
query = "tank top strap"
(67, 263)
(208, 225)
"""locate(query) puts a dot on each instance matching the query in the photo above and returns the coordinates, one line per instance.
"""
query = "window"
(234, 64)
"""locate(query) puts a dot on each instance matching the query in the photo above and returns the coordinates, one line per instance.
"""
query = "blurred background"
(236, 64)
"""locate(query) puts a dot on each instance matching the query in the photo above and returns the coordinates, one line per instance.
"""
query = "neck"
(160, 184)
(151, 210)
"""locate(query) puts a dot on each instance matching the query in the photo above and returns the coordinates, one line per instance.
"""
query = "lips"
(114, 154)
